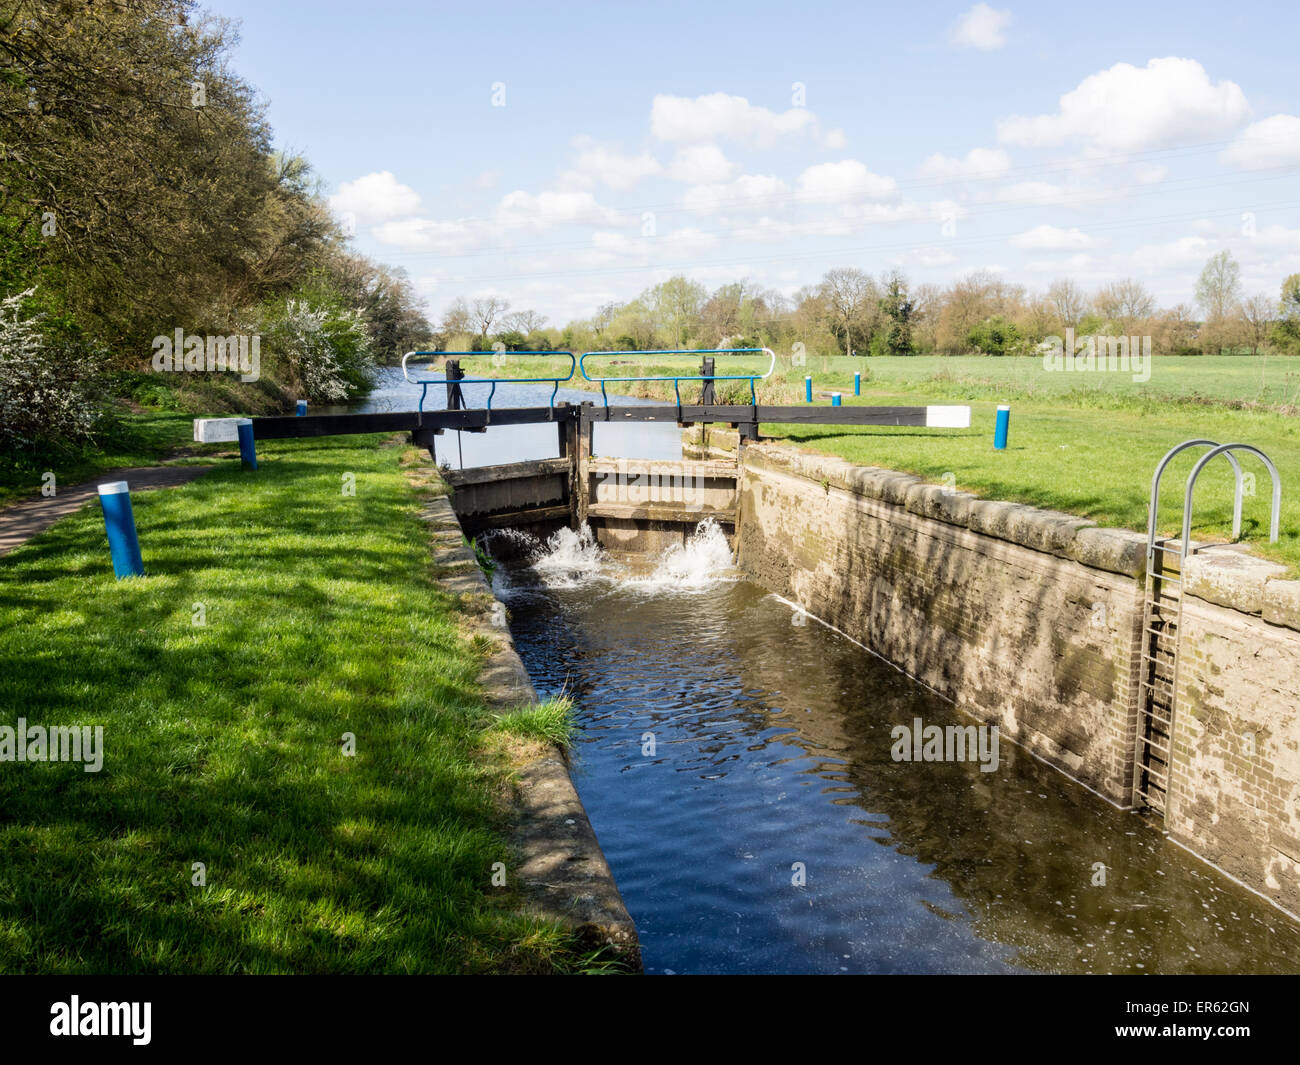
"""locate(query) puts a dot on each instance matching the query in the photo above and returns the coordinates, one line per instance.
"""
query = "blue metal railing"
(751, 378)
(425, 382)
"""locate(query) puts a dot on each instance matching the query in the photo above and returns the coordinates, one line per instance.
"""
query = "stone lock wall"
(1031, 620)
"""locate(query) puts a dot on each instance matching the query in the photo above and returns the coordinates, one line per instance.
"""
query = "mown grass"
(1084, 443)
(225, 741)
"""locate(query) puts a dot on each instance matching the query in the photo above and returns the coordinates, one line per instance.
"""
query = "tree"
(971, 301)
(847, 293)
(676, 304)
(524, 321)
(1067, 302)
(456, 319)
(897, 307)
(486, 311)
(1124, 304)
(605, 314)
(1289, 306)
(1219, 286)
(1257, 313)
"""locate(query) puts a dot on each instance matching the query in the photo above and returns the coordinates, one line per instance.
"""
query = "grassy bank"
(225, 741)
(1082, 443)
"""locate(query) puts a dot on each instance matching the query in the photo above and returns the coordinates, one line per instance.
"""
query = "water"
(515, 443)
(771, 746)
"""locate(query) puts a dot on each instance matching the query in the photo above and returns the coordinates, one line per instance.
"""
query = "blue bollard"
(835, 400)
(247, 448)
(807, 389)
(1004, 423)
(302, 408)
(857, 384)
(119, 523)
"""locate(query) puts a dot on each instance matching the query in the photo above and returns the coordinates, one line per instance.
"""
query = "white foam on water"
(703, 560)
(572, 558)
(569, 558)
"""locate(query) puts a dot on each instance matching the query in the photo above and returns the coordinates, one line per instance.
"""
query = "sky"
(563, 155)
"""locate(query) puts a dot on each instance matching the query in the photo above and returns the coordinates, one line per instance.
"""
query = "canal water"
(736, 758)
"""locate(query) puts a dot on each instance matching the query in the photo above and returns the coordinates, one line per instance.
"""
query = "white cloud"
(701, 164)
(1272, 142)
(608, 165)
(545, 210)
(375, 197)
(747, 192)
(835, 139)
(1127, 107)
(718, 115)
(1051, 238)
(424, 234)
(1150, 173)
(981, 27)
(843, 182)
(976, 164)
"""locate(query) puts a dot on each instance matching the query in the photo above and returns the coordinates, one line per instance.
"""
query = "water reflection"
(723, 745)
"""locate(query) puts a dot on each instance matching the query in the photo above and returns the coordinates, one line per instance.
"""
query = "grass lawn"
(224, 742)
(1086, 443)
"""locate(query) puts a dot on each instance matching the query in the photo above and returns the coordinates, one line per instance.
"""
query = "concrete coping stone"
(1228, 578)
(1232, 579)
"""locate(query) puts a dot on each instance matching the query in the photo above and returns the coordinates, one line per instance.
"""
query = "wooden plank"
(507, 471)
(506, 519)
(665, 467)
(674, 512)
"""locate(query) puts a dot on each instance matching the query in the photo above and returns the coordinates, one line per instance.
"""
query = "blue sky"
(566, 155)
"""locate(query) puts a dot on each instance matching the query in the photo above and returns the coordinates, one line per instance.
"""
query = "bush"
(996, 336)
(324, 350)
(45, 385)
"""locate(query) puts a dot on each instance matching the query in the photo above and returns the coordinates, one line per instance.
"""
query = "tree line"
(140, 192)
(852, 312)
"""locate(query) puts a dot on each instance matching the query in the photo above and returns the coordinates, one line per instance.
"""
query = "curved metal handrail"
(1155, 488)
(751, 378)
(493, 381)
(1223, 449)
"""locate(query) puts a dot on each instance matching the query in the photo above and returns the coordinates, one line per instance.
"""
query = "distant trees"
(1123, 304)
(850, 311)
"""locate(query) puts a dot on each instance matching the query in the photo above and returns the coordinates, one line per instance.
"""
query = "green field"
(1086, 443)
(224, 741)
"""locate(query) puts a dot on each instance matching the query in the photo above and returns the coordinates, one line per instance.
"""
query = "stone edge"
(565, 875)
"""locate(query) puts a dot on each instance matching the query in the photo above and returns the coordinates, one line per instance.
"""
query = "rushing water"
(728, 742)
(515, 443)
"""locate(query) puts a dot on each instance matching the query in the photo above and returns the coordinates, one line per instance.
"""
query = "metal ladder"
(1162, 612)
